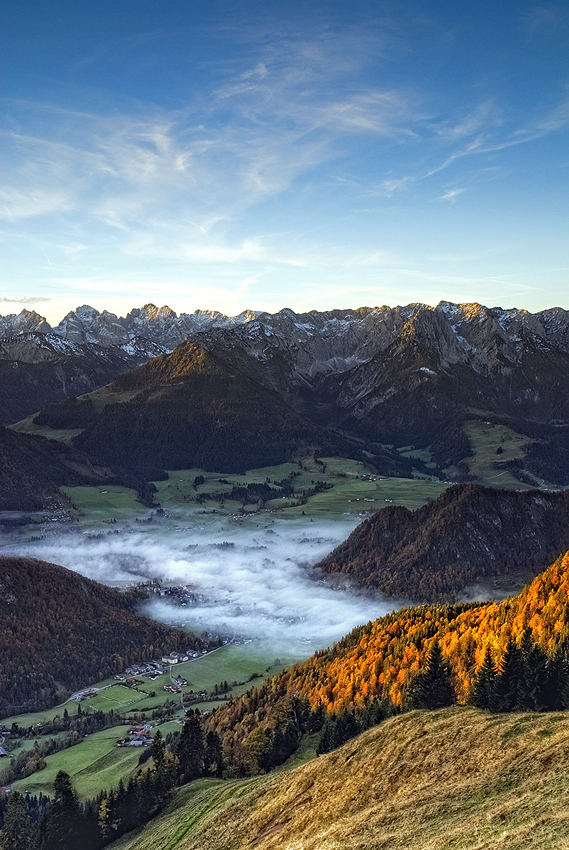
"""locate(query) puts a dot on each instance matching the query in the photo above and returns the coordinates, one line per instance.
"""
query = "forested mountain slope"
(380, 660)
(60, 631)
(190, 409)
(33, 468)
(468, 533)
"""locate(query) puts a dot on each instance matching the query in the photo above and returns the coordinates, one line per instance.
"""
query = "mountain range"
(408, 377)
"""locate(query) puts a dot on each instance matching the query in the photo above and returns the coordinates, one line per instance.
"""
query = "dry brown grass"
(451, 780)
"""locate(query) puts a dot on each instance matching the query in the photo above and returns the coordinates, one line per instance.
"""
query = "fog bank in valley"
(243, 581)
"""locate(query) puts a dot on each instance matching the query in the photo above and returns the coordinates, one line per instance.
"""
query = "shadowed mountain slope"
(190, 409)
(59, 631)
(468, 533)
(456, 778)
(37, 369)
(33, 468)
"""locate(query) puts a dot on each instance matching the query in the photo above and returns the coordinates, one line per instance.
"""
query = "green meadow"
(93, 764)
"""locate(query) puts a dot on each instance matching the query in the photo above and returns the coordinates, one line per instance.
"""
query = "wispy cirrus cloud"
(450, 196)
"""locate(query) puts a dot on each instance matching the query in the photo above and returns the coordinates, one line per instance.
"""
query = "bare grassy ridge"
(457, 779)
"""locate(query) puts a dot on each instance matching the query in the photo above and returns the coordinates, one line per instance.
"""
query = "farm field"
(93, 764)
(495, 443)
(353, 491)
(96, 762)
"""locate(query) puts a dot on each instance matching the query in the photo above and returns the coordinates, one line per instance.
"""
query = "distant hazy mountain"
(468, 533)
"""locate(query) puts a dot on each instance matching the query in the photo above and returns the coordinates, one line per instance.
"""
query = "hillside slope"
(190, 409)
(59, 631)
(33, 468)
(381, 659)
(453, 779)
(468, 533)
(38, 369)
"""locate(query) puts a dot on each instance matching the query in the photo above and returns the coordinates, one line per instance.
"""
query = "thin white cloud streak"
(484, 141)
(256, 586)
(450, 196)
(24, 299)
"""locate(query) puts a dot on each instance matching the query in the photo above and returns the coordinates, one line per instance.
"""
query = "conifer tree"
(213, 755)
(483, 688)
(433, 688)
(190, 749)
(508, 683)
(325, 744)
(533, 683)
(557, 686)
(17, 832)
(62, 825)
(158, 751)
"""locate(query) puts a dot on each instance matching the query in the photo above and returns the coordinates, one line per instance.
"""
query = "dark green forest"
(60, 631)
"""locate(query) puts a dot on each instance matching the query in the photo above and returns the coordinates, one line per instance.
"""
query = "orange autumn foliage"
(380, 659)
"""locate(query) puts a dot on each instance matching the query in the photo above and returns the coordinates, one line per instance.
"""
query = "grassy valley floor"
(457, 779)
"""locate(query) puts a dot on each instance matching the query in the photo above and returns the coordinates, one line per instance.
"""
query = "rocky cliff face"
(323, 342)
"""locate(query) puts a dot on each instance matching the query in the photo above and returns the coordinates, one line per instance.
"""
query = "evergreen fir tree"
(17, 832)
(325, 744)
(190, 749)
(158, 751)
(483, 688)
(533, 683)
(62, 825)
(433, 688)
(213, 755)
(508, 683)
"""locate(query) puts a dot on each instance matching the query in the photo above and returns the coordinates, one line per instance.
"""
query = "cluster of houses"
(83, 695)
(155, 668)
(137, 736)
(176, 686)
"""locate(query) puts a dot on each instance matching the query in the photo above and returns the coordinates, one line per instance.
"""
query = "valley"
(256, 493)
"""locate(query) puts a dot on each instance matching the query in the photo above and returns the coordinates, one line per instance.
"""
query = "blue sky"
(232, 155)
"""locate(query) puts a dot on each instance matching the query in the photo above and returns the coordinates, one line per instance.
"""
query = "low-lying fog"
(244, 581)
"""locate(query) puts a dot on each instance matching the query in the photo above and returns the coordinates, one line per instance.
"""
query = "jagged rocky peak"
(28, 321)
(86, 324)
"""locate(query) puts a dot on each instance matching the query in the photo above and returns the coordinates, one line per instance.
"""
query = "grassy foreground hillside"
(456, 779)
